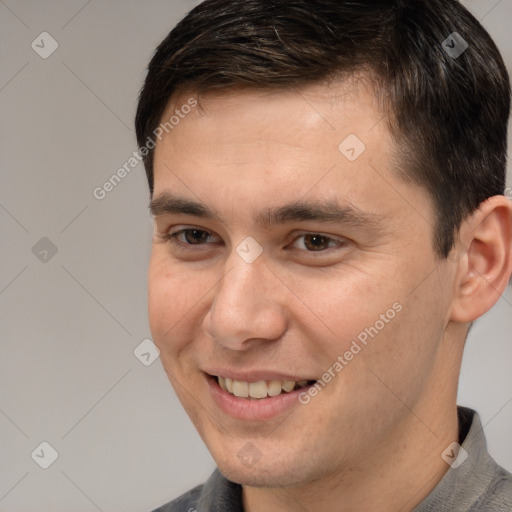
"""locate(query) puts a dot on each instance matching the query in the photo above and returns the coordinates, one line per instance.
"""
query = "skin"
(372, 438)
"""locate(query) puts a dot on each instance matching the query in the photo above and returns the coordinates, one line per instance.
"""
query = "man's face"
(303, 292)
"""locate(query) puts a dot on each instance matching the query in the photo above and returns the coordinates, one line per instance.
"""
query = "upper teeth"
(260, 389)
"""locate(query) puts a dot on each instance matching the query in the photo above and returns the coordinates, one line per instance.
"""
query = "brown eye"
(189, 236)
(316, 242)
(194, 236)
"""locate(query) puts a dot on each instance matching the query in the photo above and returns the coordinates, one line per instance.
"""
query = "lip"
(254, 376)
(256, 409)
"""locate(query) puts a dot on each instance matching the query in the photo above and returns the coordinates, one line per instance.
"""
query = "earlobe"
(486, 265)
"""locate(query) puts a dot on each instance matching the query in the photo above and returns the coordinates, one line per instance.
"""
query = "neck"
(398, 477)
(395, 475)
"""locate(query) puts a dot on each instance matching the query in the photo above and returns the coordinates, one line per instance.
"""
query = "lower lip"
(253, 409)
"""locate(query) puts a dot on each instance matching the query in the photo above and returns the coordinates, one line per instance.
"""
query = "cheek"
(402, 356)
(174, 297)
(371, 320)
(344, 306)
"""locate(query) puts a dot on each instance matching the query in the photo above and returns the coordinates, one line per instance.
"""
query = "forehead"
(333, 105)
(256, 148)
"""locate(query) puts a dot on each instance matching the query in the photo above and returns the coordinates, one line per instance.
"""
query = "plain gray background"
(70, 321)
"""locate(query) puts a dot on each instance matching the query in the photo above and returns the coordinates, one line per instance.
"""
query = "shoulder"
(216, 495)
(487, 486)
(497, 497)
(477, 483)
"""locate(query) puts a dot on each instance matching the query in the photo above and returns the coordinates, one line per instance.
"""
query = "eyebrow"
(167, 203)
(324, 211)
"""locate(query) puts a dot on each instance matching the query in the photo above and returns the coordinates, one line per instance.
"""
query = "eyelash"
(172, 238)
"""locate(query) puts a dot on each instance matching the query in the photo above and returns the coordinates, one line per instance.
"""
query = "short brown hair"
(449, 112)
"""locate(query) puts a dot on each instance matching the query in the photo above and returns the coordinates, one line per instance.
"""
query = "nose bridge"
(245, 305)
(241, 287)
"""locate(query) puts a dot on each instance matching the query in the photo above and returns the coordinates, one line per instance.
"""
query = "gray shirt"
(477, 484)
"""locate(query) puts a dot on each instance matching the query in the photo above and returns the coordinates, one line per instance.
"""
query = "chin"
(260, 474)
(255, 477)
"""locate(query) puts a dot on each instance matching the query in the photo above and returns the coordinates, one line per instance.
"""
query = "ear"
(485, 264)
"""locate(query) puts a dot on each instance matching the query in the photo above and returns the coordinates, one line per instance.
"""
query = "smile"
(260, 389)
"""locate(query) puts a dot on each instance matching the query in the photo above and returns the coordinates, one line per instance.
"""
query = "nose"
(246, 308)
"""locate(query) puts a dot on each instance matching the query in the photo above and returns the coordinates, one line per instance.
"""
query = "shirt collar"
(220, 495)
(463, 485)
